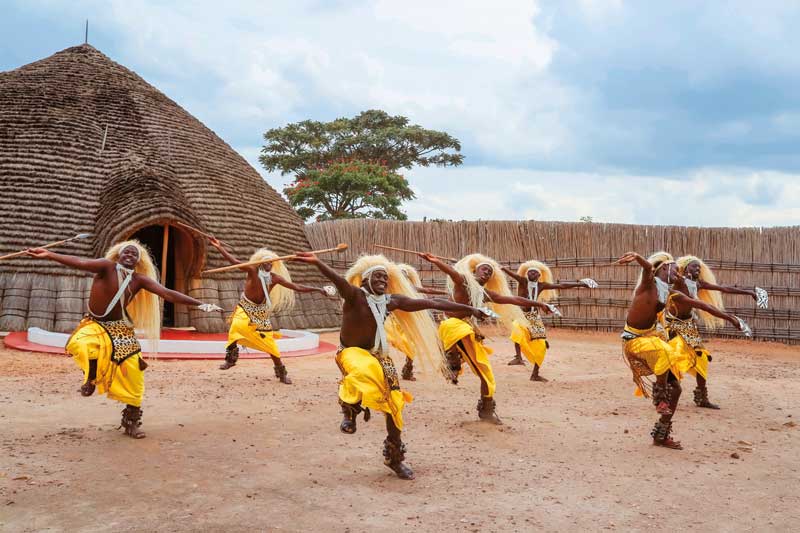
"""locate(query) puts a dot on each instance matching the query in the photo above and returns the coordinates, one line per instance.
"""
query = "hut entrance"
(174, 253)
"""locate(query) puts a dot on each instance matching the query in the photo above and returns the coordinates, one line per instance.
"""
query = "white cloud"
(526, 86)
(710, 197)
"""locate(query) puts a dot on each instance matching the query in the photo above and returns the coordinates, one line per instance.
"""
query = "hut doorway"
(175, 254)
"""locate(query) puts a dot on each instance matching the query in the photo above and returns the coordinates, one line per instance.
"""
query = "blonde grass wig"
(498, 283)
(545, 275)
(658, 260)
(411, 273)
(283, 299)
(145, 309)
(419, 327)
(710, 297)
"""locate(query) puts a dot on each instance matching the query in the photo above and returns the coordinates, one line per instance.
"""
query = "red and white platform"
(179, 344)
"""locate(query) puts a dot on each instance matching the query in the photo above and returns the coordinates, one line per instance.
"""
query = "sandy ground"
(238, 451)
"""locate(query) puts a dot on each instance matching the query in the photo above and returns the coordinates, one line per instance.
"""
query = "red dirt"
(238, 451)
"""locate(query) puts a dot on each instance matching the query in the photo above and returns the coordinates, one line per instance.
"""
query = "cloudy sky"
(677, 112)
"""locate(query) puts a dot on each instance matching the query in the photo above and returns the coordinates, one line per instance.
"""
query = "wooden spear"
(414, 252)
(339, 248)
(50, 245)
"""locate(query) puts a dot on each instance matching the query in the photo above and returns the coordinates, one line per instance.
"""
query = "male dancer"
(104, 344)
(372, 288)
(699, 282)
(394, 332)
(268, 289)
(535, 282)
(474, 280)
(646, 351)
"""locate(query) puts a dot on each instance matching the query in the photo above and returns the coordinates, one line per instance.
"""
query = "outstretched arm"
(404, 303)
(296, 287)
(726, 289)
(346, 290)
(151, 285)
(710, 309)
(518, 301)
(226, 254)
(88, 265)
(514, 275)
(457, 278)
(432, 292)
(564, 285)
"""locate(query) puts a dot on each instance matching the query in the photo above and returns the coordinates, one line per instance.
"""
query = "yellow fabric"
(534, 350)
(397, 337)
(477, 355)
(245, 334)
(123, 383)
(696, 359)
(650, 354)
(364, 382)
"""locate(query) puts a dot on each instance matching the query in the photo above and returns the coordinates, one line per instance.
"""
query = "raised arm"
(404, 303)
(518, 301)
(432, 292)
(681, 298)
(226, 254)
(726, 289)
(151, 285)
(647, 268)
(276, 278)
(514, 275)
(88, 265)
(457, 278)
(346, 290)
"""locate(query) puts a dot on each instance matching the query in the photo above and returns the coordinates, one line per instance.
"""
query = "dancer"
(473, 280)
(394, 332)
(535, 282)
(104, 344)
(372, 288)
(700, 283)
(646, 351)
(268, 289)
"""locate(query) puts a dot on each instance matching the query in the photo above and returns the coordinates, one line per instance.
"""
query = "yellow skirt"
(364, 382)
(652, 355)
(244, 333)
(397, 338)
(477, 355)
(697, 358)
(534, 350)
(124, 382)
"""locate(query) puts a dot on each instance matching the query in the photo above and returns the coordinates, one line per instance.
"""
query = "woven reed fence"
(744, 257)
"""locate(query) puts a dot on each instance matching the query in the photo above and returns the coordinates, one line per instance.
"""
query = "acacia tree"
(349, 189)
(337, 163)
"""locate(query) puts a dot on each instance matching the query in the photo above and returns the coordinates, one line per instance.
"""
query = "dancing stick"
(23, 252)
(339, 248)
(197, 231)
(413, 252)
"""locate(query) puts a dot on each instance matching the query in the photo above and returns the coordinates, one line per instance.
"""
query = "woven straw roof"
(158, 163)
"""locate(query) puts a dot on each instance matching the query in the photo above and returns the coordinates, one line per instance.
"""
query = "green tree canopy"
(372, 135)
(349, 189)
(348, 168)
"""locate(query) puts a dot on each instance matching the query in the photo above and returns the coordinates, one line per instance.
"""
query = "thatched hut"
(88, 146)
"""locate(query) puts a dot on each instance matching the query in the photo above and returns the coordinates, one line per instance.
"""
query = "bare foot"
(402, 470)
(669, 443)
(537, 377)
(516, 361)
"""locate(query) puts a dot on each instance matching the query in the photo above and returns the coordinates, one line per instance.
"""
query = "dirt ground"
(238, 451)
